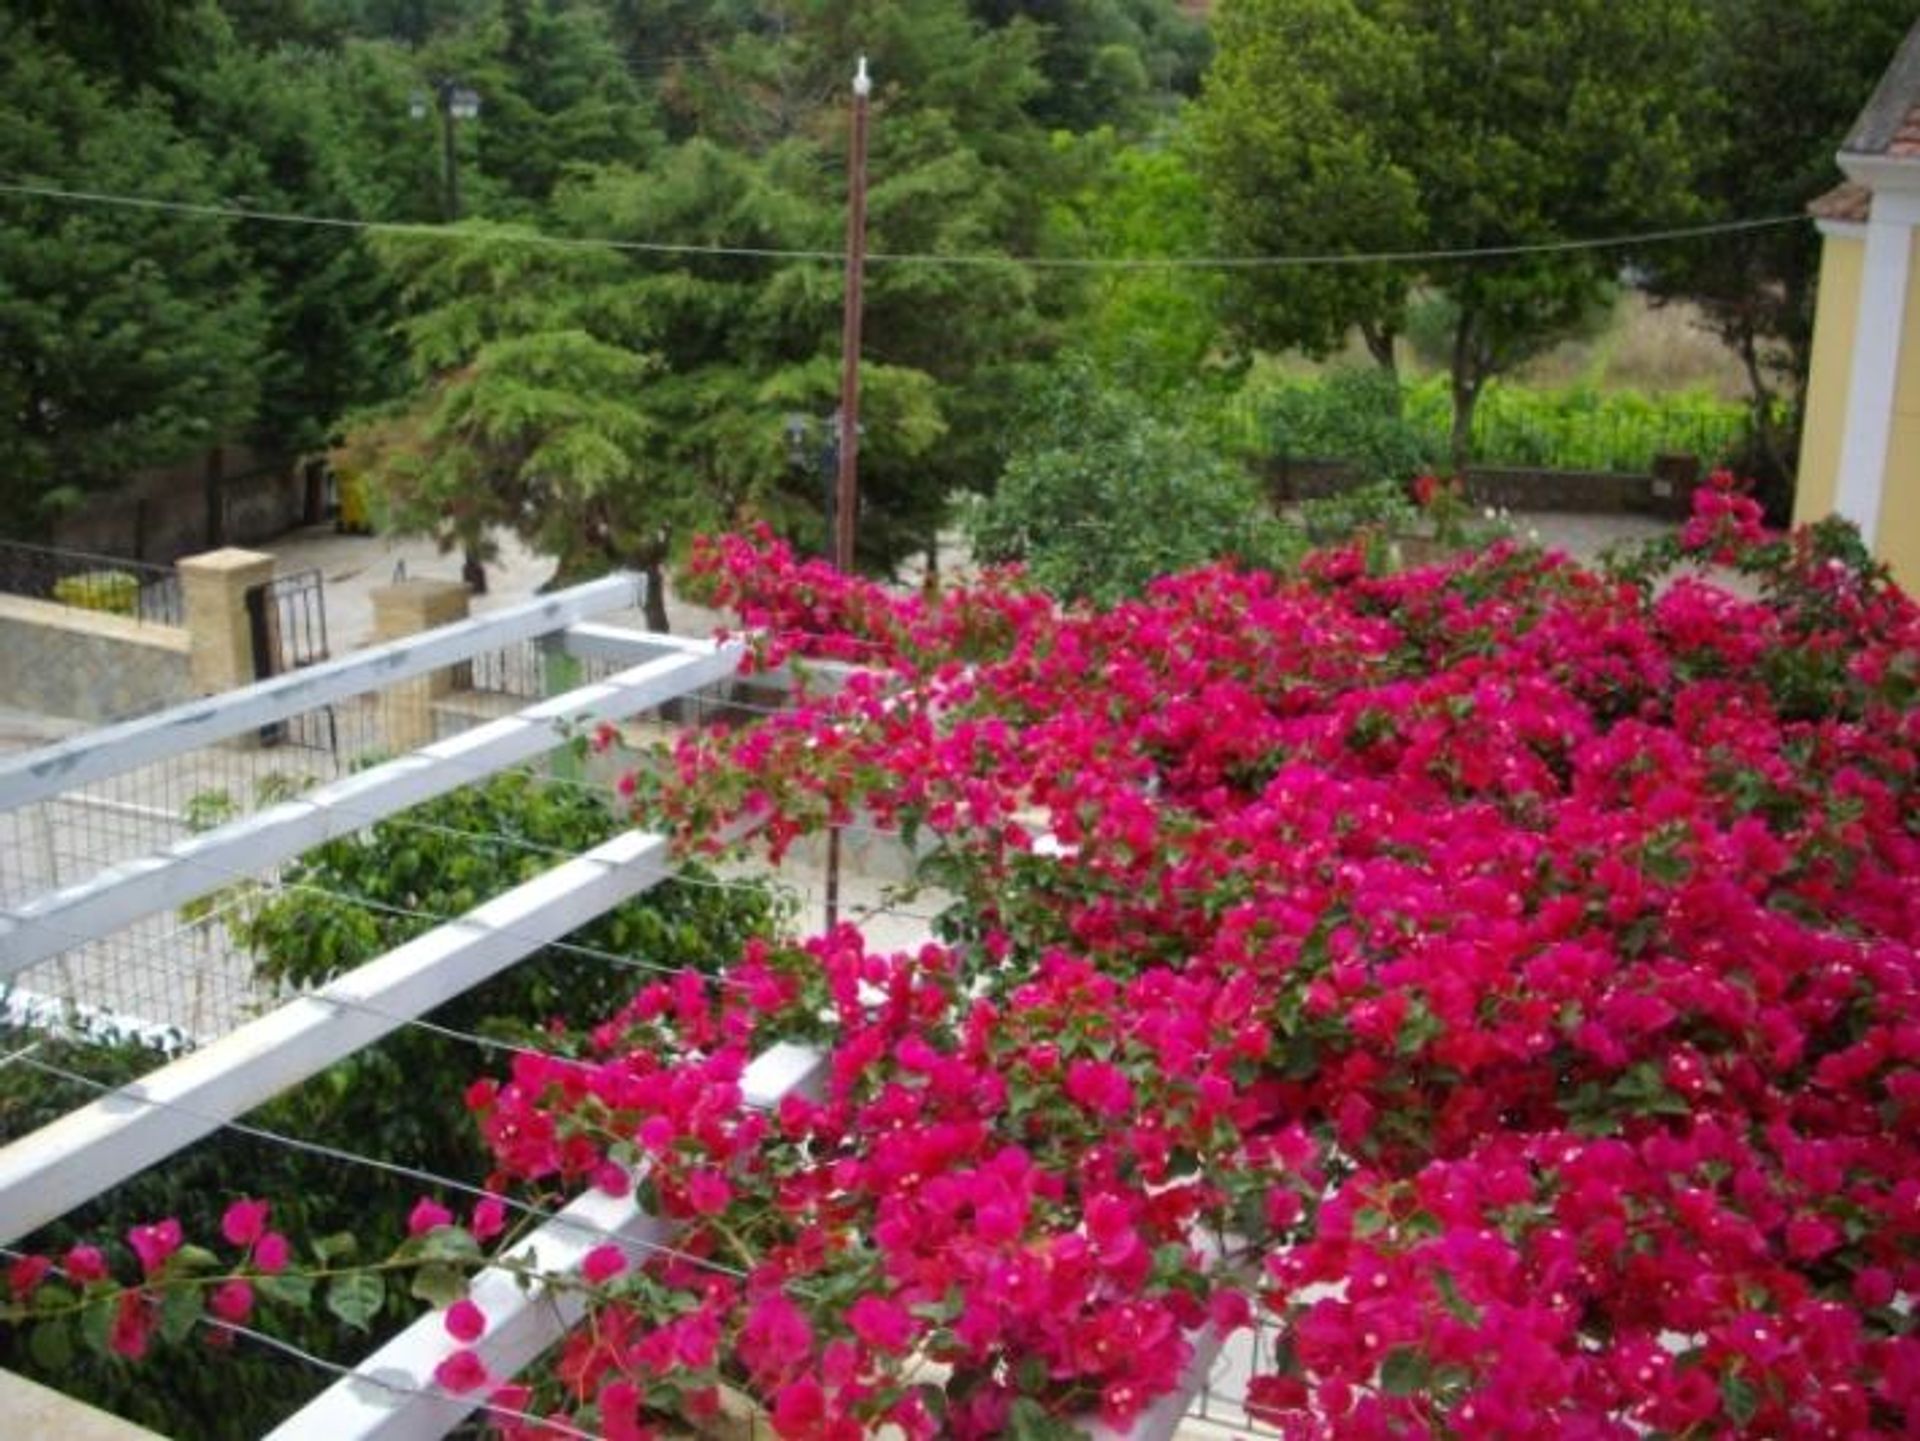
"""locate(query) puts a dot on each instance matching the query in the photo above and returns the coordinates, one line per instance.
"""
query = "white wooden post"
(46, 1173)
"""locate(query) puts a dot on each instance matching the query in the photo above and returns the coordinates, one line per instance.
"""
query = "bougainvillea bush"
(1497, 979)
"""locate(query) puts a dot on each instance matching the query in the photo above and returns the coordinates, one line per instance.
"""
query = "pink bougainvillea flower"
(489, 1218)
(708, 1192)
(881, 1324)
(85, 1264)
(134, 1321)
(271, 1253)
(461, 1372)
(427, 1215)
(466, 1322)
(244, 1222)
(232, 1301)
(603, 1263)
(154, 1243)
(25, 1275)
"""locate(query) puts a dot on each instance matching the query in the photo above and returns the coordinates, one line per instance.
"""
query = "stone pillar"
(406, 608)
(214, 589)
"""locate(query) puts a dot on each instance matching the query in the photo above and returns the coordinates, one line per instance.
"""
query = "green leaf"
(1738, 1397)
(1450, 1296)
(51, 1346)
(1404, 1373)
(1030, 1421)
(439, 1284)
(356, 1298)
(179, 1311)
(96, 1324)
(450, 1243)
(340, 1246)
(295, 1291)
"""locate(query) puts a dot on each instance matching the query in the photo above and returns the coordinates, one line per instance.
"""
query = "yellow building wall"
(1896, 535)
(1842, 262)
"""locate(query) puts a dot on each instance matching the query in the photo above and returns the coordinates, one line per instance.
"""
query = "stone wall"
(1668, 491)
(86, 665)
(230, 496)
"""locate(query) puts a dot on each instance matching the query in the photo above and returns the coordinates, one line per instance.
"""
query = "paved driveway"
(354, 565)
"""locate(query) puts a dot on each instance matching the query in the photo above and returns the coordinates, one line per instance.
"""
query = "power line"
(1036, 262)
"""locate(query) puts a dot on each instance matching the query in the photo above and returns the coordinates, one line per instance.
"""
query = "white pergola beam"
(112, 750)
(392, 1395)
(122, 894)
(45, 1174)
(621, 645)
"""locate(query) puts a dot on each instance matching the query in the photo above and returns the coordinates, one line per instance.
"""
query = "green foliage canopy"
(132, 337)
(1444, 125)
(1103, 496)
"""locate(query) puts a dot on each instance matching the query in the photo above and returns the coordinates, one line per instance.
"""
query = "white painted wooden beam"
(595, 640)
(622, 645)
(111, 750)
(45, 1174)
(104, 903)
(392, 1395)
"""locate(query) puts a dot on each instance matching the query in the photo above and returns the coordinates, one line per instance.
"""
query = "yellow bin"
(353, 516)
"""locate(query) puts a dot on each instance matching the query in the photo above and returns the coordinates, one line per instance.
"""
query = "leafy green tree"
(1444, 125)
(554, 94)
(1156, 328)
(1103, 496)
(285, 134)
(746, 341)
(1298, 135)
(129, 43)
(1107, 62)
(528, 416)
(132, 336)
(1779, 83)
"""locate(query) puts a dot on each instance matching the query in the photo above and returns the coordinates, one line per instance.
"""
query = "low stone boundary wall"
(1667, 491)
(88, 665)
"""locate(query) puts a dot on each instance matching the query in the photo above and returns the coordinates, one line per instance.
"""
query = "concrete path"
(353, 566)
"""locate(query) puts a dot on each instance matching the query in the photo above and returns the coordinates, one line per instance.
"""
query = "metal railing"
(112, 585)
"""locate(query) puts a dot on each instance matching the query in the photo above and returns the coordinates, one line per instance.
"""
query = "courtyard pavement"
(353, 566)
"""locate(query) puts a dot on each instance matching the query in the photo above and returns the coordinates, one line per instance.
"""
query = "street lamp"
(803, 432)
(455, 102)
(825, 432)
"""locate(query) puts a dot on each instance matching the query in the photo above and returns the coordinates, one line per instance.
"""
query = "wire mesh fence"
(184, 972)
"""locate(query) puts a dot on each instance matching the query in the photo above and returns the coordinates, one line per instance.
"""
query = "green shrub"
(1357, 415)
(114, 591)
(1103, 495)
(1352, 414)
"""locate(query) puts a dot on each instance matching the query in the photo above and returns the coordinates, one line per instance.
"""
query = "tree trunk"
(656, 608)
(1469, 374)
(1380, 345)
(1762, 403)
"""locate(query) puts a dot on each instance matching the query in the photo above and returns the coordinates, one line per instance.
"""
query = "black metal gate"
(288, 619)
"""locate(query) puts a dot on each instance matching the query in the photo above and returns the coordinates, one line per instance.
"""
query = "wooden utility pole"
(847, 483)
(847, 490)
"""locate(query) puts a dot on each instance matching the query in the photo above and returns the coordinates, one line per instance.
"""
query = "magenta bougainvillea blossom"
(1498, 980)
